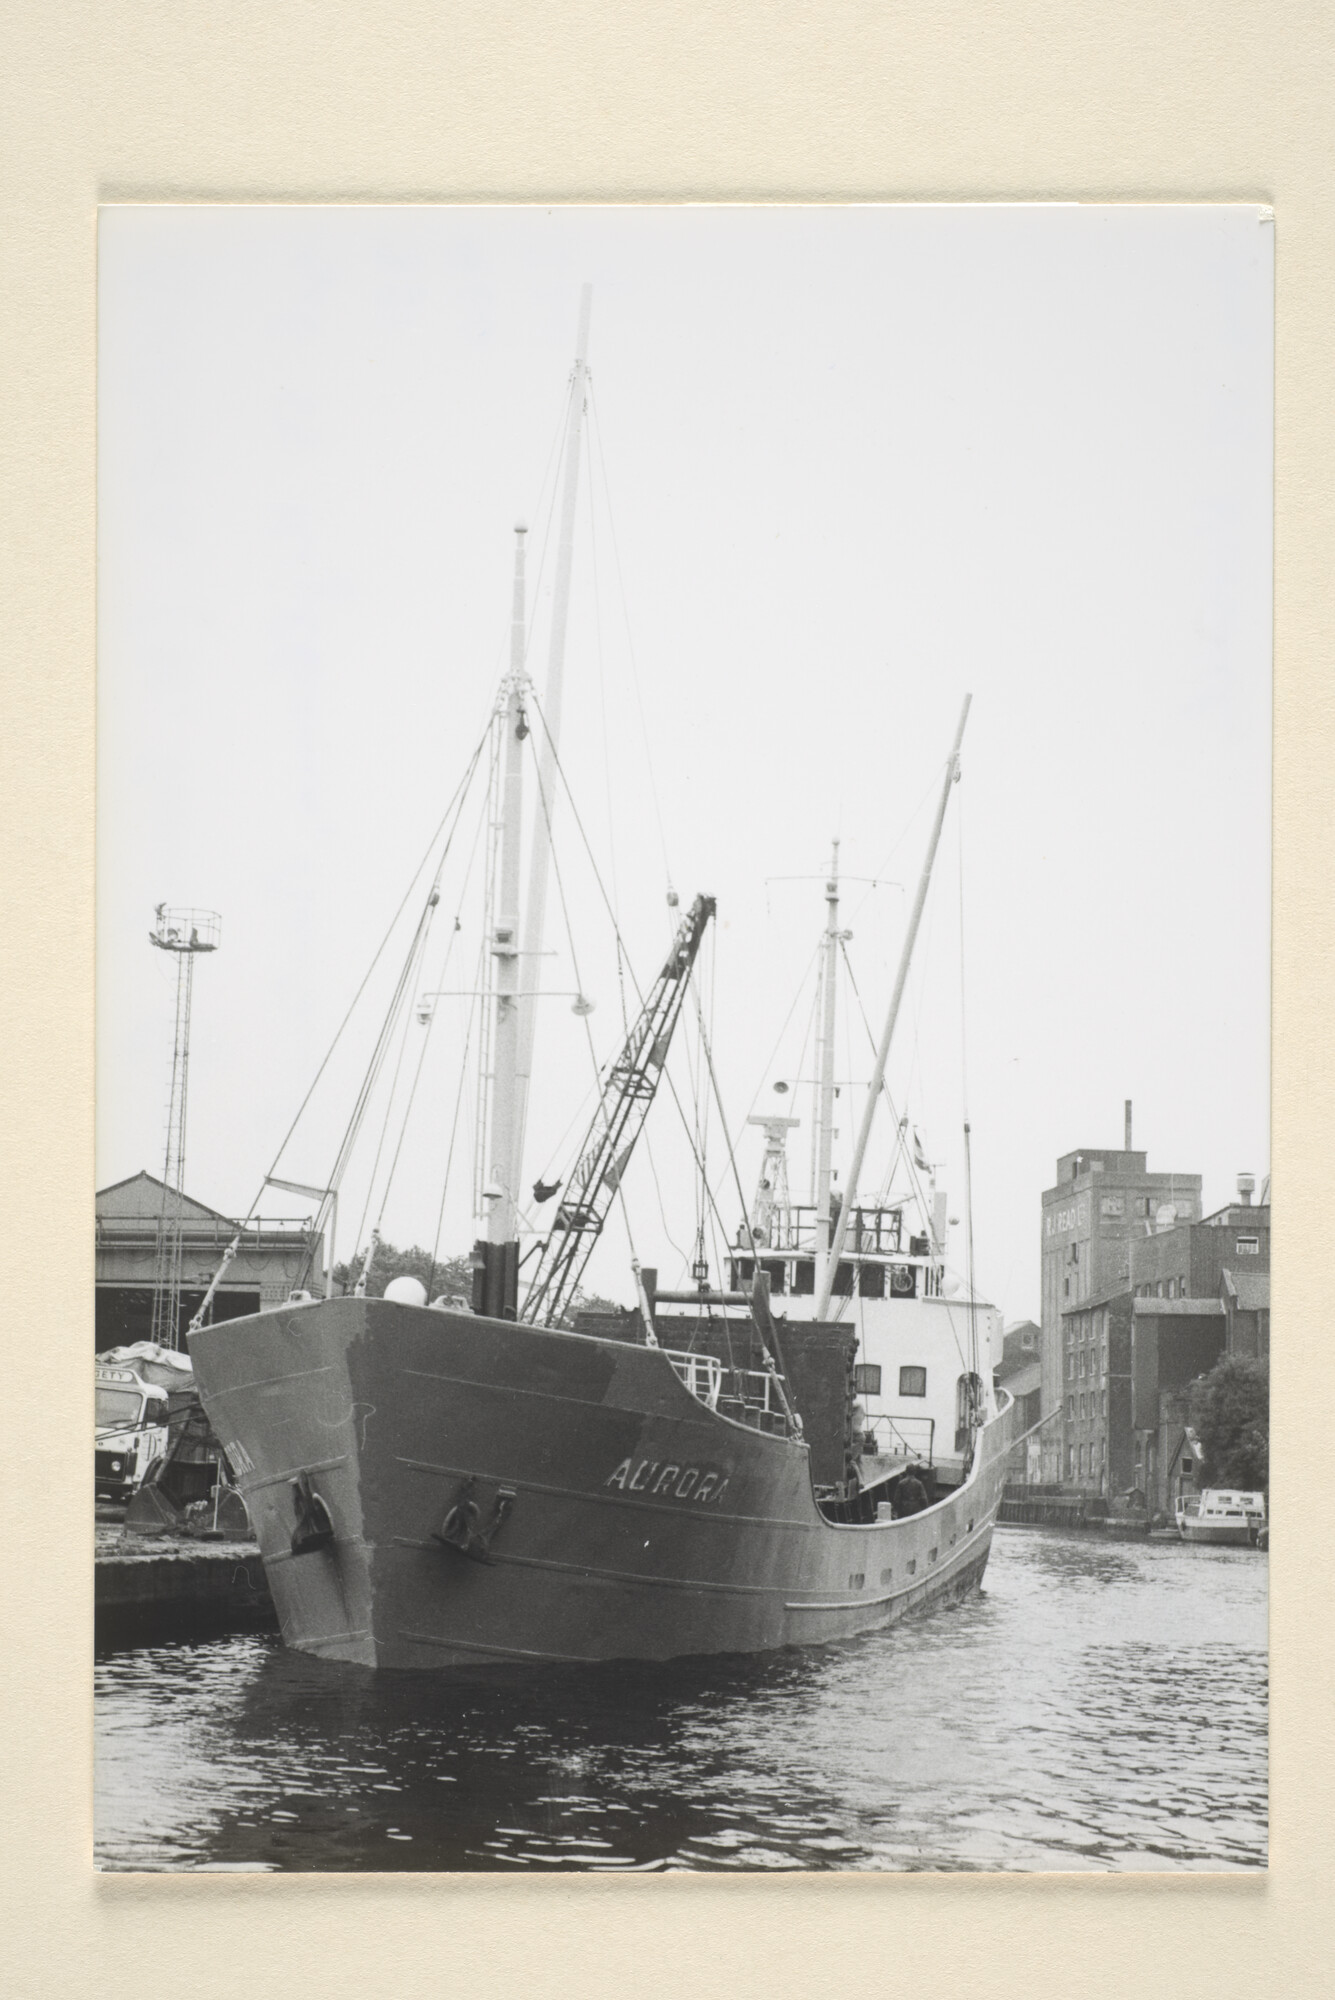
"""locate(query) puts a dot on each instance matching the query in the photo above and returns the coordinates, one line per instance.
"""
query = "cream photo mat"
(405, 102)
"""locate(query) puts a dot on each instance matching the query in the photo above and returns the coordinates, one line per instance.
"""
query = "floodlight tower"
(187, 933)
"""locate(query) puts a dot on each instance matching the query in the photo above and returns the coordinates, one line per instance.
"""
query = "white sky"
(857, 462)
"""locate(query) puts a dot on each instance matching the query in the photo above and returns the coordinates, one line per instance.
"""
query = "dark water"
(1094, 1706)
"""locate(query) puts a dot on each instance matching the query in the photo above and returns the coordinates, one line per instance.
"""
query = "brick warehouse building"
(1199, 1291)
(269, 1263)
(1101, 1203)
(1194, 1291)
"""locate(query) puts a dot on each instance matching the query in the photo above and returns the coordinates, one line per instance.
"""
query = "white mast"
(502, 1221)
(825, 1085)
(535, 916)
(878, 1072)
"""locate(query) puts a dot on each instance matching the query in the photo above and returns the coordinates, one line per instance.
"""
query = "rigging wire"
(460, 793)
(545, 805)
(597, 876)
(428, 1025)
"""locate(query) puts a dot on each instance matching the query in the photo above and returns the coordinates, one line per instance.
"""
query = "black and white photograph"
(683, 1038)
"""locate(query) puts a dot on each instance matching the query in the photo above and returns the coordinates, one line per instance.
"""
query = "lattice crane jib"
(617, 1123)
(187, 934)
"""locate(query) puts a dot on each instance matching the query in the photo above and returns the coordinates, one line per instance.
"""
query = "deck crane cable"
(598, 880)
(624, 1105)
(545, 805)
(635, 985)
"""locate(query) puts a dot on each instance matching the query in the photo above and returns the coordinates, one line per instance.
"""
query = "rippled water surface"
(1093, 1706)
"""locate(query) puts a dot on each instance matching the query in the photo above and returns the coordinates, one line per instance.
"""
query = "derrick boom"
(617, 1123)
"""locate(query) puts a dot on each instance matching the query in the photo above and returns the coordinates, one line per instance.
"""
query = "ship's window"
(913, 1381)
(871, 1281)
(743, 1270)
(843, 1281)
(886, 1575)
(777, 1274)
(804, 1277)
(867, 1379)
(857, 1580)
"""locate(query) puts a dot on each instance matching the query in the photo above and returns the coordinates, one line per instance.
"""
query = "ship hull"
(461, 1490)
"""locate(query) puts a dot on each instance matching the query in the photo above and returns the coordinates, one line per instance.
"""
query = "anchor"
(463, 1527)
(315, 1527)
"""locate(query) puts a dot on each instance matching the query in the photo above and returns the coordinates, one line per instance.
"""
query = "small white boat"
(1224, 1517)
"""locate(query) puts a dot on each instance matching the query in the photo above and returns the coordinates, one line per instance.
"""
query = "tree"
(1230, 1414)
(450, 1277)
(446, 1277)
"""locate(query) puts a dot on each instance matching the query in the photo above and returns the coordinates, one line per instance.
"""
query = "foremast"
(496, 1256)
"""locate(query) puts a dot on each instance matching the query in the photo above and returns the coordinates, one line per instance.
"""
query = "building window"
(1070, 1406)
(1104, 1411)
(913, 1381)
(1247, 1246)
(867, 1379)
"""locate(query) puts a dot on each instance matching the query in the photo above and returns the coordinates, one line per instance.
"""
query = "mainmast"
(496, 1258)
(825, 1084)
(826, 1285)
(536, 913)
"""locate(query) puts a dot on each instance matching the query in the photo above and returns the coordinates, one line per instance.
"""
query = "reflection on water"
(1093, 1706)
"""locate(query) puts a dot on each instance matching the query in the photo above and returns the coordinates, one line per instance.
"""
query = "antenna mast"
(187, 933)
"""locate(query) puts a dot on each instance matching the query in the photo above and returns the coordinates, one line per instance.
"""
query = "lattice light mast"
(187, 933)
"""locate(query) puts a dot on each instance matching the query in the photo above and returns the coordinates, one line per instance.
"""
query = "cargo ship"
(715, 1470)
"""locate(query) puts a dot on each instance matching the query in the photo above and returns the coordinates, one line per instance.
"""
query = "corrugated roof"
(140, 1198)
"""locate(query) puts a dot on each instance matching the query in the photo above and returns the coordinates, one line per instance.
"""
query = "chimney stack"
(1127, 1142)
(1246, 1185)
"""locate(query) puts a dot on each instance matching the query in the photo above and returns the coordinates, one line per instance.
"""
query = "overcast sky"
(845, 465)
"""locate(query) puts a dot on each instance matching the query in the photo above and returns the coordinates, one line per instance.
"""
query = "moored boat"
(1225, 1517)
(433, 1483)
